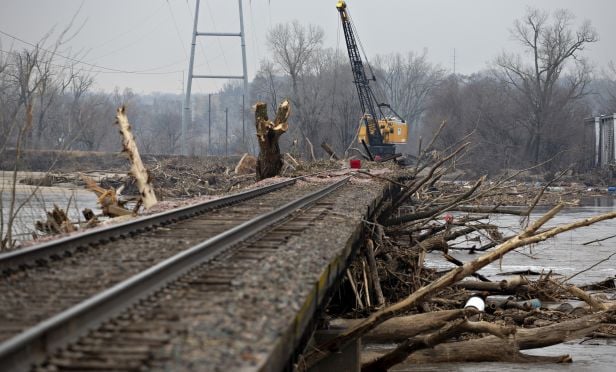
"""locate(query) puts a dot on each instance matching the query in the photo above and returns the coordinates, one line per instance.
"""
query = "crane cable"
(363, 51)
(358, 127)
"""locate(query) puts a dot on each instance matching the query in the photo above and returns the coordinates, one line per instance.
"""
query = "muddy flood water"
(32, 202)
(565, 255)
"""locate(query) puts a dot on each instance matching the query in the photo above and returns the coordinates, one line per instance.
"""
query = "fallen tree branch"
(583, 295)
(495, 209)
(492, 348)
(413, 344)
(588, 268)
(411, 190)
(374, 274)
(402, 327)
(328, 149)
(455, 275)
(382, 178)
(599, 240)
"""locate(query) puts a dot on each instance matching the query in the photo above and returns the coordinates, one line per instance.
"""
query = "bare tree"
(28, 78)
(295, 48)
(611, 91)
(265, 86)
(556, 75)
(407, 82)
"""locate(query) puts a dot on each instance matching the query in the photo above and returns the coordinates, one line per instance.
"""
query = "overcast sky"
(150, 39)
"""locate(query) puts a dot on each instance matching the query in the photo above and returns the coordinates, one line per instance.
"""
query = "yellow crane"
(391, 129)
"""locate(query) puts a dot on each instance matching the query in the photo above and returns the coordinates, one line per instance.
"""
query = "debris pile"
(389, 294)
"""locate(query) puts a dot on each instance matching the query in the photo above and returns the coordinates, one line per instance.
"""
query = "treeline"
(524, 109)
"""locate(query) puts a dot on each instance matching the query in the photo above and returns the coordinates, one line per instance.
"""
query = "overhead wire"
(256, 54)
(178, 34)
(363, 51)
(358, 127)
(102, 69)
(142, 21)
(210, 13)
(139, 38)
(205, 59)
(177, 30)
(91, 70)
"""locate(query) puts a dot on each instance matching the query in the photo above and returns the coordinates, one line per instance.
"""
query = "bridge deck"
(267, 314)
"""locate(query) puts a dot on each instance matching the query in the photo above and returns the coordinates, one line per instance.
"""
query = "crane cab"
(393, 130)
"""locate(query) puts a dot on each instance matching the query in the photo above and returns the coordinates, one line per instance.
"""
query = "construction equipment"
(391, 129)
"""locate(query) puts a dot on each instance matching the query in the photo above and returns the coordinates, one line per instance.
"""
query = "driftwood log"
(137, 169)
(270, 162)
(328, 149)
(400, 328)
(414, 344)
(493, 348)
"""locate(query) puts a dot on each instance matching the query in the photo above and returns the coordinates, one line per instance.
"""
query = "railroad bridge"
(235, 283)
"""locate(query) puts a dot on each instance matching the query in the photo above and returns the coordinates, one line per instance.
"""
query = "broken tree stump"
(328, 149)
(269, 162)
(246, 165)
(137, 169)
(57, 222)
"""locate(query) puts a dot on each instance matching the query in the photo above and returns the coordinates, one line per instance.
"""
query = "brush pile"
(391, 296)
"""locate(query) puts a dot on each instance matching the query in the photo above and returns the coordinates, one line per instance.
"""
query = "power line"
(140, 22)
(92, 71)
(102, 68)
(207, 64)
(177, 30)
(210, 13)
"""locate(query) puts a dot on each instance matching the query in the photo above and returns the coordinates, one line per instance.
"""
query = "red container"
(355, 163)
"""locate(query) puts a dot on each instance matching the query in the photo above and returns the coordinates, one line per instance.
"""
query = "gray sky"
(153, 36)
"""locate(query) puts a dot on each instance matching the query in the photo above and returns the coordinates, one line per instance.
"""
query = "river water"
(31, 203)
(564, 255)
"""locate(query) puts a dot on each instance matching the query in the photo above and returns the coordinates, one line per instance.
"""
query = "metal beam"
(187, 112)
(219, 34)
(217, 77)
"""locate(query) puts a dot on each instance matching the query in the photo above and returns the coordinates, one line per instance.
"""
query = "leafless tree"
(294, 48)
(407, 82)
(611, 90)
(265, 85)
(28, 78)
(556, 75)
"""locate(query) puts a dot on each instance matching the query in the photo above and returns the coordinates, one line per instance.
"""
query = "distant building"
(599, 132)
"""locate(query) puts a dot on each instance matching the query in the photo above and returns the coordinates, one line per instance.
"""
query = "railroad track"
(70, 291)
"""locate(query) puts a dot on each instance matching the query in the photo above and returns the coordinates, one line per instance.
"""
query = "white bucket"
(476, 302)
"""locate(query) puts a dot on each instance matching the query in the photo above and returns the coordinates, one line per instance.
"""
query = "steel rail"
(32, 345)
(13, 259)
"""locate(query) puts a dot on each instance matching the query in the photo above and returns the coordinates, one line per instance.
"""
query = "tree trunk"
(400, 328)
(269, 162)
(138, 170)
(492, 348)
